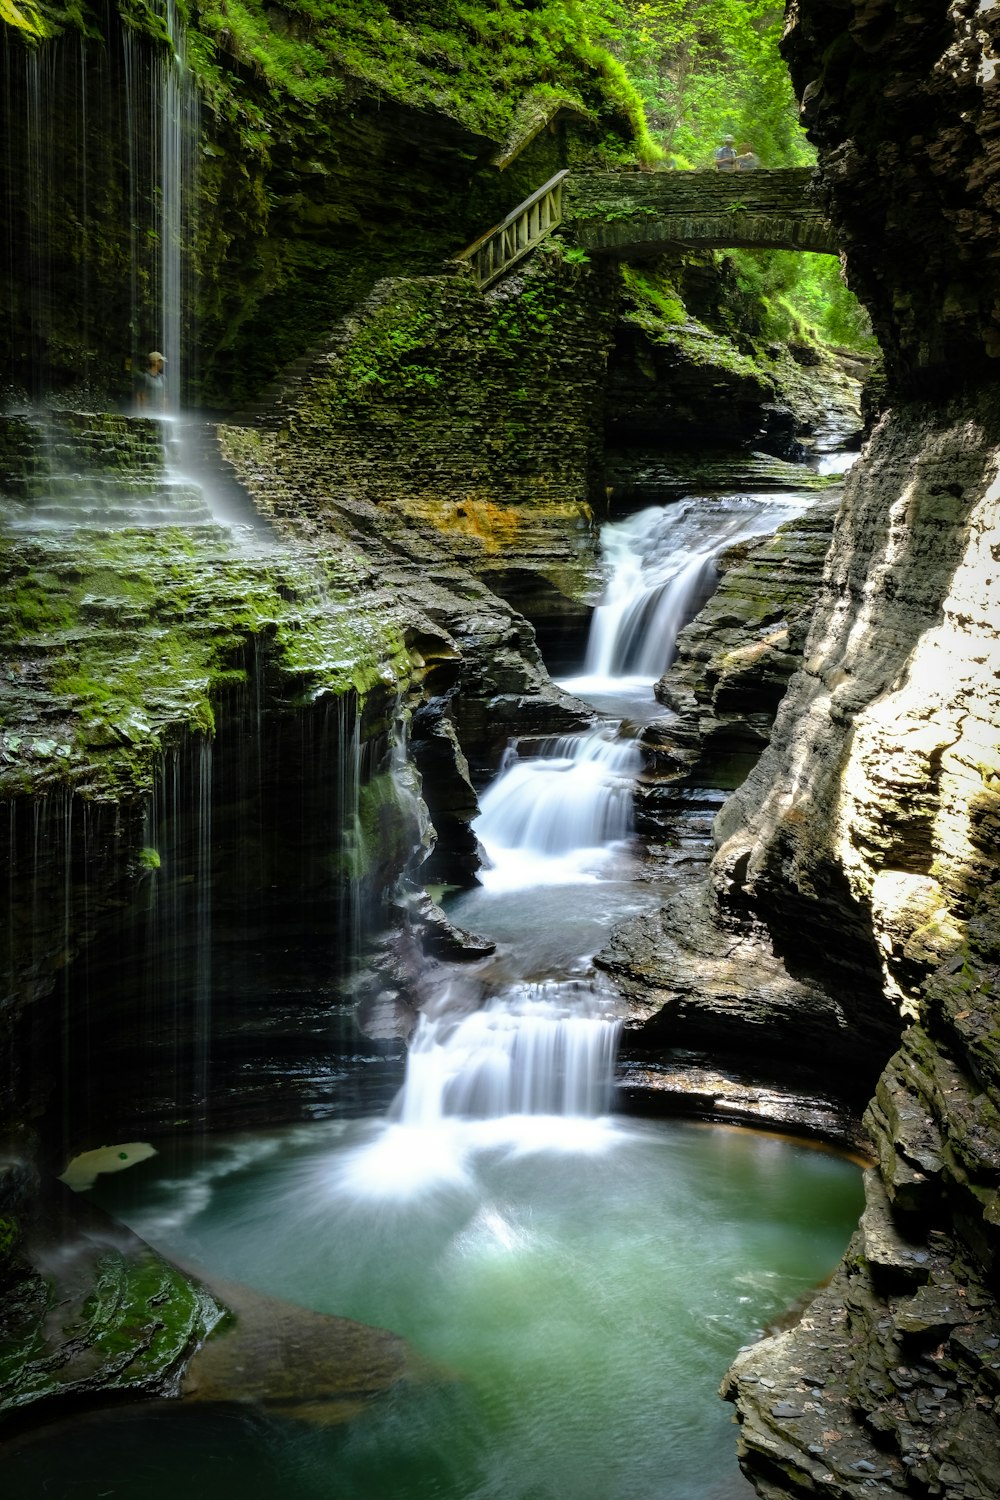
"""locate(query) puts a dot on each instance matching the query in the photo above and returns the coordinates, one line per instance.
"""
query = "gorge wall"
(856, 876)
(868, 830)
(327, 159)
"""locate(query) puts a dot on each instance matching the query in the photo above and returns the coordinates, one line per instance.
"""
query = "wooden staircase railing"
(526, 226)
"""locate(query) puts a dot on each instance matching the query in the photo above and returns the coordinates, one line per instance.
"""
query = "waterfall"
(556, 818)
(661, 567)
(523, 1055)
(553, 818)
(178, 133)
(529, 1072)
(84, 128)
(87, 132)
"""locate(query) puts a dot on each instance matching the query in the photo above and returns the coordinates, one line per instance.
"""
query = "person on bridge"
(747, 159)
(725, 155)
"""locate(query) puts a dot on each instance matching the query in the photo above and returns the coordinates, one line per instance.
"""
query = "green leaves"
(706, 68)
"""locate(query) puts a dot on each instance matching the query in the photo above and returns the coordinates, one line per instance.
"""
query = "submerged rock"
(293, 1362)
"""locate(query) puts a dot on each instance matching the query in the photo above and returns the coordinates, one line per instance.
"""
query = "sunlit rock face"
(869, 831)
(870, 824)
(878, 773)
(902, 102)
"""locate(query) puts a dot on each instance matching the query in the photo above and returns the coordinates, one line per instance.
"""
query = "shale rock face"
(866, 839)
(458, 430)
(869, 828)
(735, 659)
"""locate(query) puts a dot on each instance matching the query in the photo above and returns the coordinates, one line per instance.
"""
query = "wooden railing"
(510, 241)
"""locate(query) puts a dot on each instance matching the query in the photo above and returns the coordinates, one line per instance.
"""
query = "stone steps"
(82, 469)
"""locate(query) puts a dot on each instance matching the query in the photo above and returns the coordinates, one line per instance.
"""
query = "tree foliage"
(706, 68)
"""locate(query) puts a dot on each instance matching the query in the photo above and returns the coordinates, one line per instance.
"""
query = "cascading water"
(553, 818)
(524, 1056)
(85, 128)
(177, 134)
(661, 566)
(577, 1282)
(560, 817)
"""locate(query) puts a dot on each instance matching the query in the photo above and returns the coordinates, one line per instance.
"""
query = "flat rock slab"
(294, 1362)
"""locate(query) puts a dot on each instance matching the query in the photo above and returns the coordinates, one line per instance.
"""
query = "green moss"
(472, 60)
(656, 304)
(25, 17)
(151, 628)
(10, 1234)
(123, 1320)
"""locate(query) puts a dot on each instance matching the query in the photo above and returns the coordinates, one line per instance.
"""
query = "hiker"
(747, 159)
(152, 388)
(725, 155)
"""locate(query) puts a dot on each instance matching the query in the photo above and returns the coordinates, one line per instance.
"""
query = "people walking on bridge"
(747, 159)
(725, 155)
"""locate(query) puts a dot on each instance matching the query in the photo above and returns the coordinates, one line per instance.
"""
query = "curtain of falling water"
(92, 137)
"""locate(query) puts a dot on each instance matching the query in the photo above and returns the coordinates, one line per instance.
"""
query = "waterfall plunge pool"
(576, 1284)
(581, 1284)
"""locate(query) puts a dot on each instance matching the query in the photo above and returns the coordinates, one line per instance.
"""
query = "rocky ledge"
(736, 658)
(865, 842)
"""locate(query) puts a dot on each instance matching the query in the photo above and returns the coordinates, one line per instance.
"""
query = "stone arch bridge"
(630, 215)
(635, 215)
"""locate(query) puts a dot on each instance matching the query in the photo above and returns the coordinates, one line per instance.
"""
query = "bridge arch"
(632, 215)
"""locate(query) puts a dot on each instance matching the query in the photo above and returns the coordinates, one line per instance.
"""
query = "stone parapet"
(628, 214)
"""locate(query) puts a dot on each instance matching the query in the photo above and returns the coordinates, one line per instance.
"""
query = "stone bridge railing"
(635, 214)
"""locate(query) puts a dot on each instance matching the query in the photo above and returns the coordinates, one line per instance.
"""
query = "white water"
(554, 819)
(520, 1056)
(178, 134)
(531, 1072)
(661, 567)
(537, 1060)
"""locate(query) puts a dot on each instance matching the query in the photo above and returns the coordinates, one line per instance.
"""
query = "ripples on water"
(585, 1281)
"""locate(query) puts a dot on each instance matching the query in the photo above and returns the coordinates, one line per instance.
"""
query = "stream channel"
(576, 1281)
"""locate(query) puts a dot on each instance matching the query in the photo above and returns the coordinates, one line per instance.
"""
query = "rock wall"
(865, 841)
(463, 422)
(298, 193)
(901, 100)
(868, 833)
(200, 821)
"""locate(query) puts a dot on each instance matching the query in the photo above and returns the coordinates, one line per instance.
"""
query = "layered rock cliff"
(862, 850)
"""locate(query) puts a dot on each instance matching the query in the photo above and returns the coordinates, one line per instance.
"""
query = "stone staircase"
(272, 406)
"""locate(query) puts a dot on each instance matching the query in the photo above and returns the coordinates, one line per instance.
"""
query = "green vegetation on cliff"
(705, 68)
(802, 297)
(121, 639)
(473, 61)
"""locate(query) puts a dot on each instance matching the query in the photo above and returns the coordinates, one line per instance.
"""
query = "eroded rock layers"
(901, 98)
(865, 841)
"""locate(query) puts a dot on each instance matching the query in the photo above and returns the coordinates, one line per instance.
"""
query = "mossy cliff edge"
(334, 149)
(142, 663)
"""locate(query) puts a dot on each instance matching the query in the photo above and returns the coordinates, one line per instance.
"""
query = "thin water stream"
(577, 1283)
